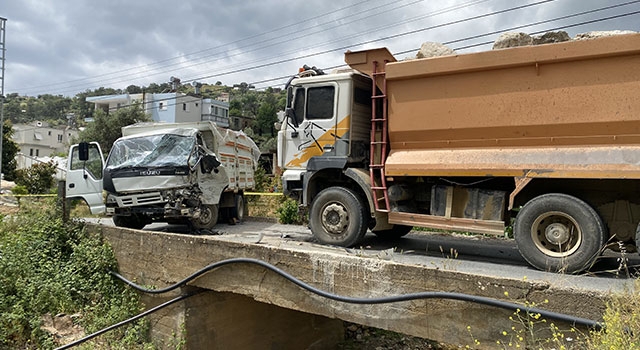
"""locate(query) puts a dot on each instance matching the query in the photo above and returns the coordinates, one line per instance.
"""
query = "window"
(37, 152)
(93, 165)
(49, 133)
(320, 102)
(298, 106)
(60, 138)
(185, 107)
(31, 152)
(162, 106)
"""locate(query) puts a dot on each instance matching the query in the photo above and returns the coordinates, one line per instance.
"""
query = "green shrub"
(37, 179)
(288, 212)
(51, 267)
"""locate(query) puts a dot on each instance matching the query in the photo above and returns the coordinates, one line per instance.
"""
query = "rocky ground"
(363, 337)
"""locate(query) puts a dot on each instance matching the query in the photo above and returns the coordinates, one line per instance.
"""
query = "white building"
(168, 107)
(38, 139)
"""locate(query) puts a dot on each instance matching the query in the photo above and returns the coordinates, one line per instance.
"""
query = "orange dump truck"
(545, 138)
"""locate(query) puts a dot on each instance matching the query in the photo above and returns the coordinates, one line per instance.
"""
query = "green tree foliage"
(9, 151)
(106, 128)
(267, 115)
(38, 178)
(235, 108)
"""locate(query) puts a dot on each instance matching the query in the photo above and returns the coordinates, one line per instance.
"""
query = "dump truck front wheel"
(559, 233)
(207, 219)
(338, 216)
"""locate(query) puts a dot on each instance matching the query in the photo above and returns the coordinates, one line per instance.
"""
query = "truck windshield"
(151, 151)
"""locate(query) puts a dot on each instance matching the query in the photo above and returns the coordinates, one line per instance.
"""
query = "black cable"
(381, 300)
(127, 321)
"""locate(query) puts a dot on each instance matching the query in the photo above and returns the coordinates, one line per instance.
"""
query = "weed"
(52, 267)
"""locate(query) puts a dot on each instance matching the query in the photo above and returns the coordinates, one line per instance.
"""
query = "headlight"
(111, 199)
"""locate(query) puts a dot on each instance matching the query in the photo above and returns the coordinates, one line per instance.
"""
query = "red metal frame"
(378, 124)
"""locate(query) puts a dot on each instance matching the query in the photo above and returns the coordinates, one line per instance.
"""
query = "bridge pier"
(222, 320)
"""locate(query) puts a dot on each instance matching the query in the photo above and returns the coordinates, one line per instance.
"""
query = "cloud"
(71, 46)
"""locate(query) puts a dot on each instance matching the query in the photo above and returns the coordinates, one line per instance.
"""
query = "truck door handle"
(72, 185)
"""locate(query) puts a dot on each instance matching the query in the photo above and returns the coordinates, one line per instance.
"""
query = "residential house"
(38, 139)
(216, 111)
(169, 107)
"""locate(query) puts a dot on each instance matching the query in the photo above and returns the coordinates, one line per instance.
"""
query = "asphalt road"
(478, 255)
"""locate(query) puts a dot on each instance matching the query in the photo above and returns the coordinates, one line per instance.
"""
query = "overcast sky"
(68, 46)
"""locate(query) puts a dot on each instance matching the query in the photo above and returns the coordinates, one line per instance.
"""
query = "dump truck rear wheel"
(559, 233)
(395, 232)
(207, 219)
(132, 221)
(338, 216)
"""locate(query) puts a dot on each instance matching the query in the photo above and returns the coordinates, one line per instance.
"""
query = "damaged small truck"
(182, 173)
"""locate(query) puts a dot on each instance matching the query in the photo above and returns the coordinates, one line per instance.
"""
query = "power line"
(506, 30)
(154, 71)
(208, 49)
(287, 39)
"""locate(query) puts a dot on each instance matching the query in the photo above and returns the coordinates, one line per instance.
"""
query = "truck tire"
(338, 217)
(395, 232)
(238, 210)
(131, 221)
(208, 218)
(559, 233)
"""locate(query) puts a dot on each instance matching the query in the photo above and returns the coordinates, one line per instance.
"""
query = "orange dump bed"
(558, 110)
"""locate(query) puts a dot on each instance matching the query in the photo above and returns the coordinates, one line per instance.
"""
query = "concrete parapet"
(246, 295)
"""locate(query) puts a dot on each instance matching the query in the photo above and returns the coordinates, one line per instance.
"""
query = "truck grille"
(139, 199)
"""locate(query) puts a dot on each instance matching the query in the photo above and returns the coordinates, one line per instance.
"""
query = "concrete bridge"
(245, 306)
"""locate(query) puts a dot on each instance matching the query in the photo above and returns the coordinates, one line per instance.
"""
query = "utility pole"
(3, 23)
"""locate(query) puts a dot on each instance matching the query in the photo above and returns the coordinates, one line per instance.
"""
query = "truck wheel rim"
(556, 234)
(205, 215)
(335, 218)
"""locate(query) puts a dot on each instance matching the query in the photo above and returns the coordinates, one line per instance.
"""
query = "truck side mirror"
(83, 151)
(209, 163)
(291, 115)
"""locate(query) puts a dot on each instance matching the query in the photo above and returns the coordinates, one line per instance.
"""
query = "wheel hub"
(334, 218)
(557, 233)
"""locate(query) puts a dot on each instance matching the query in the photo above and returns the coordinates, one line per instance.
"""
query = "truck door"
(310, 129)
(84, 175)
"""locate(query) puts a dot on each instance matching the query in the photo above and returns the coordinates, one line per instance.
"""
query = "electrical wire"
(138, 73)
(503, 31)
(207, 49)
(237, 70)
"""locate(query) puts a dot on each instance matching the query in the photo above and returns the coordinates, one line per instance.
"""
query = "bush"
(288, 212)
(37, 179)
(51, 267)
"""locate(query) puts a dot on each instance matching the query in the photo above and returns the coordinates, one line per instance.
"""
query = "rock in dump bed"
(514, 39)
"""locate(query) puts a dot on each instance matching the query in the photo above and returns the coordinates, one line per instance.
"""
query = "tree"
(105, 129)
(267, 115)
(9, 151)
(134, 89)
(37, 179)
